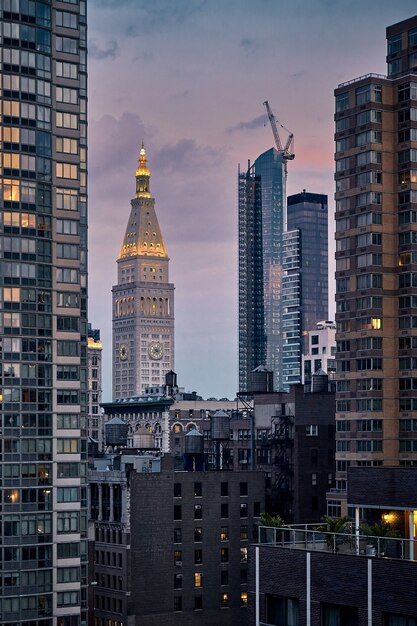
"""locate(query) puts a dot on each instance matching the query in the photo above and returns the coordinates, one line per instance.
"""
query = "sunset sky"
(189, 78)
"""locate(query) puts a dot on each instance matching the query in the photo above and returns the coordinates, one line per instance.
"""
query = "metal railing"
(305, 537)
(355, 80)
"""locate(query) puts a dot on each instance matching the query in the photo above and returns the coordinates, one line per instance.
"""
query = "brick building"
(170, 546)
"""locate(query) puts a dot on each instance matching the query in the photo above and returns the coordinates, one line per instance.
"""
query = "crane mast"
(286, 152)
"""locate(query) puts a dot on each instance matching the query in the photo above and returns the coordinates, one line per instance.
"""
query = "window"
(68, 396)
(243, 489)
(67, 227)
(342, 446)
(198, 511)
(177, 512)
(67, 145)
(340, 615)
(177, 581)
(243, 598)
(282, 611)
(243, 554)
(198, 534)
(224, 600)
(198, 557)
(68, 446)
(68, 494)
(68, 522)
(369, 425)
(68, 598)
(68, 574)
(198, 490)
(224, 533)
(177, 557)
(66, 19)
(224, 555)
(67, 170)
(177, 535)
(243, 509)
(68, 550)
(224, 577)
(369, 445)
(312, 430)
(177, 490)
(66, 199)
(224, 510)
(198, 603)
(177, 603)
(67, 70)
(334, 508)
(342, 102)
(66, 120)
(198, 579)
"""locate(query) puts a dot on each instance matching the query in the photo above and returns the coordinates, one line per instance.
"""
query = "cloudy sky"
(189, 78)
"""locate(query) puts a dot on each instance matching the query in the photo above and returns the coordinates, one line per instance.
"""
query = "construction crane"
(287, 152)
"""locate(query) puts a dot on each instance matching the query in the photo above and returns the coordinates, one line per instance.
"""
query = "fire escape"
(282, 462)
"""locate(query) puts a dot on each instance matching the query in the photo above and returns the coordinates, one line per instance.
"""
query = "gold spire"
(142, 175)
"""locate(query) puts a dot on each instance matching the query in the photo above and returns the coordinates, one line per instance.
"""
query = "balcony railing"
(306, 538)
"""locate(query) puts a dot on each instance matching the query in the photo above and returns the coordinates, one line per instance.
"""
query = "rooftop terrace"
(306, 537)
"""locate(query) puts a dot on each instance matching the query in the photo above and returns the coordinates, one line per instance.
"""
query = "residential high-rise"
(44, 313)
(143, 299)
(376, 278)
(262, 220)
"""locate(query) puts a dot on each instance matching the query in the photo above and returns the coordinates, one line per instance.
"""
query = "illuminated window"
(198, 579)
(243, 554)
(224, 601)
(224, 533)
(376, 323)
(244, 598)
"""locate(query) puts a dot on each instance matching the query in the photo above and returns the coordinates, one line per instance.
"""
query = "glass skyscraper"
(305, 283)
(283, 271)
(44, 312)
(262, 221)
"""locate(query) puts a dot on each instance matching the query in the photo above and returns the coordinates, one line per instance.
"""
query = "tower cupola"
(143, 176)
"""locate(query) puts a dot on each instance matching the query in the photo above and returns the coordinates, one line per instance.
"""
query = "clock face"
(123, 352)
(156, 350)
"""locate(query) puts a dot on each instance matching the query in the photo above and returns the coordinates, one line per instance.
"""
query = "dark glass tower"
(252, 340)
(305, 283)
(308, 212)
(43, 519)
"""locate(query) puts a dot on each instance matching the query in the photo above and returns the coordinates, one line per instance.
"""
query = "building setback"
(143, 299)
(376, 201)
(44, 311)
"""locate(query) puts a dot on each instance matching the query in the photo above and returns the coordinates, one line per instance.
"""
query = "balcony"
(305, 537)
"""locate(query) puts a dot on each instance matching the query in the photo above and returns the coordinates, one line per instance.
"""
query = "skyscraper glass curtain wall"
(43, 519)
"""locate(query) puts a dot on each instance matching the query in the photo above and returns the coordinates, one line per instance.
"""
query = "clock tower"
(143, 299)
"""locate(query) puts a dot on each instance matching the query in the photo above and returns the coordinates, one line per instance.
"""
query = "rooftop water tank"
(220, 425)
(194, 442)
(261, 380)
(116, 432)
